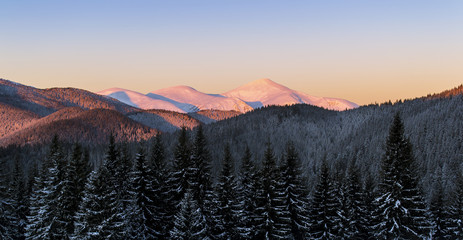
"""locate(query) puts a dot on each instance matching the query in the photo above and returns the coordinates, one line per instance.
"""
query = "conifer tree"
(44, 212)
(199, 176)
(368, 219)
(114, 194)
(179, 180)
(89, 217)
(162, 208)
(19, 204)
(247, 193)
(456, 208)
(211, 206)
(102, 212)
(189, 222)
(401, 209)
(178, 176)
(343, 202)
(142, 214)
(353, 212)
(229, 209)
(200, 170)
(440, 212)
(123, 169)
(295, 192)
(355, 207)
(7, 218)
(323, 216)
(69, 197)
(272, 207)
(83, 169)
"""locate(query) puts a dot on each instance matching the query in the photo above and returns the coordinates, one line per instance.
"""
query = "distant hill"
(46, 101)
(169, 121)
(14, 118)
(75, 124)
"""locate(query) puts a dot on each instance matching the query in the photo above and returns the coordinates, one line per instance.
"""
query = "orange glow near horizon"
(362, 51)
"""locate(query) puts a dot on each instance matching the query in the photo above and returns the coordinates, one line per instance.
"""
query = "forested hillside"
(46, 101)
(149, 195)
(77, 125)
(388, 171)
(33, 116)
(434, 127)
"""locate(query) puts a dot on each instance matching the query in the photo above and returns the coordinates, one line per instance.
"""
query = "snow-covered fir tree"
(123, 168)
(441, 221)
(189, 222)
(8, 219)
(356, 213)
(272, 209)
(69, 197)
(162, 208)
(115, 194)
(401, 209)
(89, 217)
(199, 176)
(324, 205)
(178, 180)
(83, 169)
(142, 212)
(18, 194)
(368, 219)
(343, 202)
(247, 193)
(296, 192)
(456, 207)
(229, 207)
(44, 211)
(103, 211)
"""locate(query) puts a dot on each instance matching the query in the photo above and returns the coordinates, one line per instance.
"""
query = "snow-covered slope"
(256, 94)
(139, 100)
(264, 92)
(194, 100)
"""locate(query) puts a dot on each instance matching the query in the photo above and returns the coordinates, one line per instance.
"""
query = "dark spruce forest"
(77, 165)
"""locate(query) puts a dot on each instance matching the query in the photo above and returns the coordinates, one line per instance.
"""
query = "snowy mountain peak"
(255, 90)
(255, 94)
(264, 92)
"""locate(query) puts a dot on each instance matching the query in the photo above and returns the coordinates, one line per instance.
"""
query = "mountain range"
(31, 115)
(253, 95)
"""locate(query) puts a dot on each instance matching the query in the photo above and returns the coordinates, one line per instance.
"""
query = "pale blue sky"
(364, 51)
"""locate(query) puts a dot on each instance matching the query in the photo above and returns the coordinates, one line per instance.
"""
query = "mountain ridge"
(31, 115)
(250, 96)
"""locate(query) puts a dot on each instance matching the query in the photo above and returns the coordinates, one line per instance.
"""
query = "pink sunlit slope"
(195, 100)
(264, 92)
(256, 94)
(139, 100)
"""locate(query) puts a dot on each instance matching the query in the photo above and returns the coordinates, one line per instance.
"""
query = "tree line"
(148, 196)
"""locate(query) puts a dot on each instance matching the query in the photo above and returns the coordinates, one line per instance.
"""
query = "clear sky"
(365, 51)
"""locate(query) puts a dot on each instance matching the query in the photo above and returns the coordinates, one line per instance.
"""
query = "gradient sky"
(364, 51)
